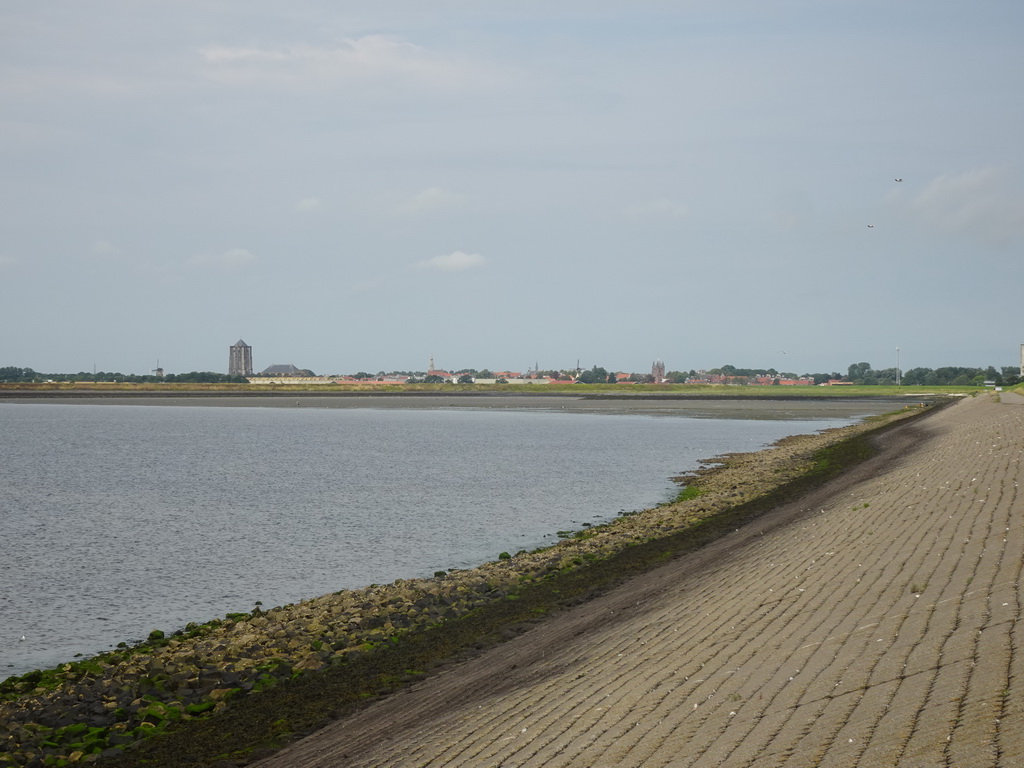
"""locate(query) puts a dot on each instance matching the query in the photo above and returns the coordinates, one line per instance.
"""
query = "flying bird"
(899, 179)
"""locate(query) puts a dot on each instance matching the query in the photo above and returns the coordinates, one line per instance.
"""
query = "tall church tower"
(240, 360)
(658, 372)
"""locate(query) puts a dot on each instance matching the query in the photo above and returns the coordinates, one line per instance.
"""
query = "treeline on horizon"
(864, 375)
(27, 375)
(857, 373)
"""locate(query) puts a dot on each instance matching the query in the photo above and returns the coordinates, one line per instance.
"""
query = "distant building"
(284, 370)
(240, 360)
(658, 372)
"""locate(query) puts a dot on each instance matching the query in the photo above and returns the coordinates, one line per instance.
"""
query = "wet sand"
(750, 407)
(876, 622)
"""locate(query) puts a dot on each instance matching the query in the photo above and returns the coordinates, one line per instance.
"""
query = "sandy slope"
(873, 624)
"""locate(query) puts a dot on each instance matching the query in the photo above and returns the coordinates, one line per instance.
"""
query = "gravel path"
(875, 623)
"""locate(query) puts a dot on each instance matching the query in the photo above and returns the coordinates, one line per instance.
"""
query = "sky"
(357, 186)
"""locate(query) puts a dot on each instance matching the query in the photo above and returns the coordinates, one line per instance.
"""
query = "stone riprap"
(93, 708)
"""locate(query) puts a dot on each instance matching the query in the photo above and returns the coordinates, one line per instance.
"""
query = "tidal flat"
(723, 406)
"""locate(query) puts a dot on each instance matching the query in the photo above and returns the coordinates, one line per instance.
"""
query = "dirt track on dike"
(874, 623)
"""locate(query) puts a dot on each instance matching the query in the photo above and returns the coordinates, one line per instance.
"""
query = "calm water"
(116, 520)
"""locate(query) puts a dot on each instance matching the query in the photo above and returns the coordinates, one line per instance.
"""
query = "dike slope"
(873, 622)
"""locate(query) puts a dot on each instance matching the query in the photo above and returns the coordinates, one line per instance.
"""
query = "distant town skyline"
(358, 186)
(241, 358)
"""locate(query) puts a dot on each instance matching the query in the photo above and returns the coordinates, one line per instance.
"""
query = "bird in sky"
(899, 179)
(871, 226)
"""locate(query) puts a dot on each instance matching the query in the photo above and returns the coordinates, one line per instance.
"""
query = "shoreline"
(318, 634)
(874, 620)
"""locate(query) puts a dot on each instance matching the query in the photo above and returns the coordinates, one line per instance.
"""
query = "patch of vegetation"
(688, 493)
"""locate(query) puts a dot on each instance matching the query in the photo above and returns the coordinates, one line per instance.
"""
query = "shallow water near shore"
(120, 519)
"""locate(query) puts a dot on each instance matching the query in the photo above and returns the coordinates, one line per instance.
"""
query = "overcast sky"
(361, 186)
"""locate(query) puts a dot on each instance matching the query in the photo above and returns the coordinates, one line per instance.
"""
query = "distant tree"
(200, 377)
(465, 379)
(859, 373)
(594, 376)
(433, 378)
(501, 380)
(885, 376)
(613, 378)
(485, 374)
(916, 377)
(10, 373)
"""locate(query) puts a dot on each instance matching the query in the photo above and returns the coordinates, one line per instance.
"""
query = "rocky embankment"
(86, 710)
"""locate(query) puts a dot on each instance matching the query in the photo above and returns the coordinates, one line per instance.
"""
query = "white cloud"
(105, 248)
(452, 262)
(308, 204)
(661, 209)
(231, 260)
(368, 58)
(365, 286)
(432, 200)
(978, 203)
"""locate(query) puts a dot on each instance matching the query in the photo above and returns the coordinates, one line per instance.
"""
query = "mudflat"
(876, 622)
(751, 407)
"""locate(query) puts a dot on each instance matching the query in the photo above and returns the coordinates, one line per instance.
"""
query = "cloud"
(105, 248)
(661, 209)
(432, 200)
(307, 204)
(978, 203)
(7, 261)
(367, 285)
(452, 262)
(368, 58)
(232, 260)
